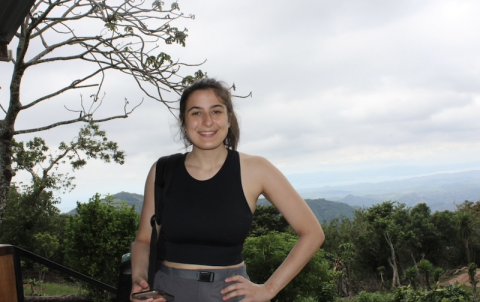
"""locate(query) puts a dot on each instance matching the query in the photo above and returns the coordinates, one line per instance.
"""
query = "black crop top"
(206, 222)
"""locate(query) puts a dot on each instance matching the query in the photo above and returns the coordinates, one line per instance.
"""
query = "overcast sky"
(342, 91)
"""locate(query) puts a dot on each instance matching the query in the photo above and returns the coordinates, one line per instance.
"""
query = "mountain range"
(323, 209)
(439, 191)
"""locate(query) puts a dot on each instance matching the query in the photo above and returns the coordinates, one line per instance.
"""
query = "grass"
(52, 289)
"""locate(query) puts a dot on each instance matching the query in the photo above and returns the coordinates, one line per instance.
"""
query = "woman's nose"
(207, 120)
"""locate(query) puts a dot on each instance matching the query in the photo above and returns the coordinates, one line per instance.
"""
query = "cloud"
(336, 86)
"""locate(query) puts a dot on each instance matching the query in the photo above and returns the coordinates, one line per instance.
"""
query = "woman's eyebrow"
(211, 107)
(194, 107)
(217, 105)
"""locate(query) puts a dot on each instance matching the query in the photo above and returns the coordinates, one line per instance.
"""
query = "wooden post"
(8, 286)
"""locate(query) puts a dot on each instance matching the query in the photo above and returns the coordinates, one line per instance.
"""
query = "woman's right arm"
(141, 246)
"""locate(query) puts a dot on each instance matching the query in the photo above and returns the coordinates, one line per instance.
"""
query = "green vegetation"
(264, 254)
(97, 236)
(52, 289)
(357, 262)
(450, 293)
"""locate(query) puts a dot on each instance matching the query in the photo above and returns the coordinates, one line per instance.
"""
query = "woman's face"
(206, 120)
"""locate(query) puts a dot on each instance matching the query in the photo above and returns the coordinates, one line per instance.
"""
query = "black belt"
(203, 275)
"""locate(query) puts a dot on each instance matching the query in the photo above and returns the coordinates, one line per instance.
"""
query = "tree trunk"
(467, 248)
(414, 261)
(7, 126)
(393, 262)
(396, 278)
(6, 171)
(427, 280)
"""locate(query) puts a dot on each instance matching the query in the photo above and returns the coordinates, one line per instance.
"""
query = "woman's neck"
(206, 159)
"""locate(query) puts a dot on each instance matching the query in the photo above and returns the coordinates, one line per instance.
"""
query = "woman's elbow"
(314, 235)
(320, 237)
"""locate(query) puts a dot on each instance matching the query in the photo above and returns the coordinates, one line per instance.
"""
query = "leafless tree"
(131, 39)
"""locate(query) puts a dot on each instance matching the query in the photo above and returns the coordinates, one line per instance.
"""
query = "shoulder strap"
(163, 175)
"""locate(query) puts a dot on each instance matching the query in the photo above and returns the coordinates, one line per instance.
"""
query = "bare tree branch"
(3, 109)
(73, 85)
(84, 117)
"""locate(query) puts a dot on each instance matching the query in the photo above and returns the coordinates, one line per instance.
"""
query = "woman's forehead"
(204, 99)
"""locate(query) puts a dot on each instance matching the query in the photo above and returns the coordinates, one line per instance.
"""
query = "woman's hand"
(252, 292)
(141, 285)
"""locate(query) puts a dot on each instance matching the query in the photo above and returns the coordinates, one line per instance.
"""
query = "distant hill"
(129, 198)
(439, 191)
(324, 210)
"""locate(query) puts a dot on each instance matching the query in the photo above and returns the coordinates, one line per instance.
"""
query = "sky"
(342, 92)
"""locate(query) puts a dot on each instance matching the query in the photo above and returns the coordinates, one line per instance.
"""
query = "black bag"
(163, 175)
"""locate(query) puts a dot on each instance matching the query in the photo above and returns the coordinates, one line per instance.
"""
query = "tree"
(387, 220)
(97, 237)
(426, 268)
(90, 143)
(465, 228)
(472, 271)
(411, 275)
(25, 219)
(437, 274)
(264, 254)
(468, 223)
(347, 254)
(49, 245)
(449, 252)
(425, 239)
(267, 219)
(125, 40)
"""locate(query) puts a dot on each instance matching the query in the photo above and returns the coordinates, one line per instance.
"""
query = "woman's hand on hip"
(250, 291)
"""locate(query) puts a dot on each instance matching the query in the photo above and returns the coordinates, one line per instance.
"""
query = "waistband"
(209, 275)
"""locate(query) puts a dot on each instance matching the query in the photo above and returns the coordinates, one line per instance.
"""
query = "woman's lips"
(207, 133)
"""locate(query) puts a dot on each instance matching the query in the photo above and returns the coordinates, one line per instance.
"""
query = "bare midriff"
(198, 267)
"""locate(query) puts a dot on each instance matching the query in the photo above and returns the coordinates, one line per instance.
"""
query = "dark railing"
(19, 252)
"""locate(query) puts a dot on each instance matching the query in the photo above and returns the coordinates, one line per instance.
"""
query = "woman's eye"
(196, 113)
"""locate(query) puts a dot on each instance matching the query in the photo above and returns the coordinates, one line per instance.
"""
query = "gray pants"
(185, 286)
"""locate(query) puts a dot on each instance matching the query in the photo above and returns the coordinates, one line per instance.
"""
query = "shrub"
(450, 293)
(364, 296)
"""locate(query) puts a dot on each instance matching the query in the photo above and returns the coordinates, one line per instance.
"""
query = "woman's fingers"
(245, 288)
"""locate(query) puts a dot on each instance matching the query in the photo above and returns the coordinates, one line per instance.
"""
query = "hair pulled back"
(223, 93)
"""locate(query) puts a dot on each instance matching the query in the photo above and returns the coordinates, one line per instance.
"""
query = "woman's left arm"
(277, 189)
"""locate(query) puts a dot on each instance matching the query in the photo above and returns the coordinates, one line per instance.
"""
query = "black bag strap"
(163, 175)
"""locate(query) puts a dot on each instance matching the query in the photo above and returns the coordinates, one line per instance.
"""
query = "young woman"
(208, 210)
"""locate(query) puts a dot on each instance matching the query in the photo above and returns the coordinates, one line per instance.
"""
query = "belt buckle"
(205, 276)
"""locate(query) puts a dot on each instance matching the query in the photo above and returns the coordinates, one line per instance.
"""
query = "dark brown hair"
(223, 93)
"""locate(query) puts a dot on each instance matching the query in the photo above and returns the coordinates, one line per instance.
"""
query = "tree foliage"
(267, 219)
(450, 293)
(26, 218)
(35, 157)
(392, 230)
(425, 267)
(472, 271)
(97, 237)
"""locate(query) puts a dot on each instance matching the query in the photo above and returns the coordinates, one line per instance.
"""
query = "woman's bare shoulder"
(258, 168)
(252, 159)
